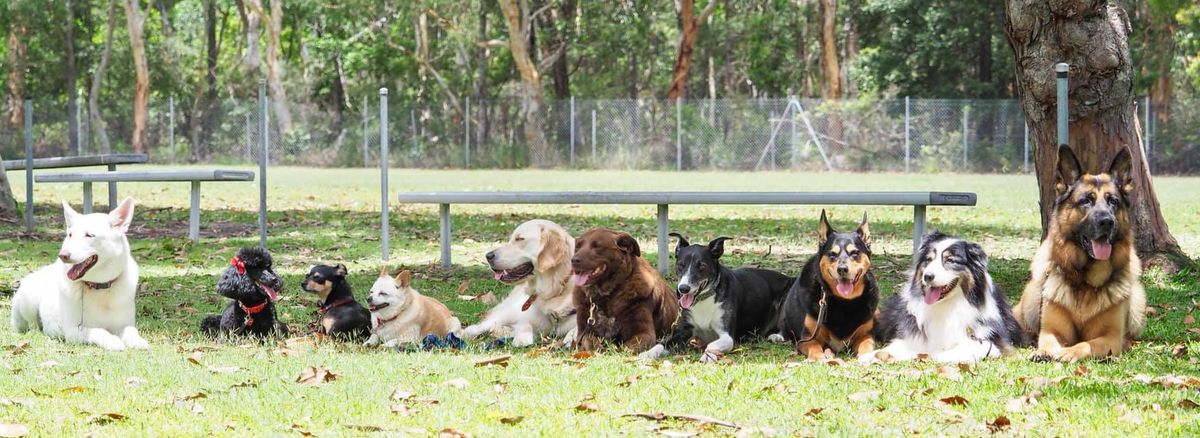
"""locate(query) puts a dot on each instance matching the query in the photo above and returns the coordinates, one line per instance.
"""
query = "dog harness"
(326, 308)
(251, 311)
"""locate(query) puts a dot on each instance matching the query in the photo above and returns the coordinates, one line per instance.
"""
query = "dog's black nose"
(684, 288)
(1105, 221)
(491, 255)
(842, 270)
(928, 277)
(574, 260)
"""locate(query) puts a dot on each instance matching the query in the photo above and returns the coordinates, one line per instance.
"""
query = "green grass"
(325, 215)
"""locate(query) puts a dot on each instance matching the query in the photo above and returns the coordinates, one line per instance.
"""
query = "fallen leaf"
(190, 397)
(1082, 370)
(134, 381)
(1180, 350)
(659, 416)
(630, 380)
(1188, 404)
(581, 355)
(458, 383)
(498, 361)
(74, 389)
(462, 287)
(865, 395)
(451, 433)
(316, 376)
(300, 430)
(814, 412)
(1151, 310)
(12, 430)
(1020, 403)
(1000, 423)
(1189, 320)
(487, 298)
(400, 395)
(401, 409)
(466, 297)
(194, 358)
(834, 362)
(677, 433)
(947, 372)
(246, 384)
(224, 370)
(14, 401)
(954, 400)
(364, 427)
(511, 420)
(587, 407)
(106, 418)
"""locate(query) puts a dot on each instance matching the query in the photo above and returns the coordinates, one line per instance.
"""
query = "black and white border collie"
(949, 310)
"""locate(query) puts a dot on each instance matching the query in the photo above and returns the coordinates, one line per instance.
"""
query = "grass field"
(187, 385)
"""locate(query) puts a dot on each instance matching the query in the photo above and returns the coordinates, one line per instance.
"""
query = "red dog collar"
(251, 311)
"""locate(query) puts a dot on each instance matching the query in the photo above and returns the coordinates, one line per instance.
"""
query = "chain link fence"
(896, 135)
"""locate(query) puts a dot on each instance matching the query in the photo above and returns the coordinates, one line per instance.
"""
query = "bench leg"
(444, 229)
(112, 190)
(194, 213)
(87, 197)
(664, 258)
(918, 226)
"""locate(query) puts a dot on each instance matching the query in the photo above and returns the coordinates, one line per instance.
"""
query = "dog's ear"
(1068, 170)
(122, 216)
(403, 279)
(864, 231)
(383, 271)
(1121, 171)
(628, 244)
(823, 229)
(717, 247)
(69, 214)
(340, 270)
(683, 243)
(555, 249)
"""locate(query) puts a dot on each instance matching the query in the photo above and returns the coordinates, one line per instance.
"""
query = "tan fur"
(825, 346)
(409, 319)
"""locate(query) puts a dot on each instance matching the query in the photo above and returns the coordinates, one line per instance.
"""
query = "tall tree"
(99, 127)
(832, 86)
(1093, 37)
(250, 13)
(689, 30)
(17, 56)
(72, 87)
(530, 87)
(136, 22)
(274, 66)
(203, 114)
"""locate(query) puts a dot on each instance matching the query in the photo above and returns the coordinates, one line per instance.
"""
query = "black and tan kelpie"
(340, 316)
(831, 306)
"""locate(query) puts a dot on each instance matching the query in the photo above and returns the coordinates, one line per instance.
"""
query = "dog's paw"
(133, 339)
(654, 352)
(711, 356)
(1074, 353)
(472, 332)
(776, 337)
(873, 357)
(110, 342)
(955, 357)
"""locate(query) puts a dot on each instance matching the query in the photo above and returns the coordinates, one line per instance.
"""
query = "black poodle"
(253, 286)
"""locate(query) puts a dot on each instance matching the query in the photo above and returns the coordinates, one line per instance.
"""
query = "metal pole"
(467, 131)
(1060, 70)
(264, 139)
(383, 171)
(593, 137)
(907, 136)
(365, 132)
(966, 144)
(28, 165)
(771, 144)
(572, 131)
(792, 128)
(444, 233)
(171, 126)
(1026, 166)
(412, 118)
(678, 133)
(664, 256)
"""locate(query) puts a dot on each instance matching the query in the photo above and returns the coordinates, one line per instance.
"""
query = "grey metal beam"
(694, 198)
(84, 161)
(148, 176)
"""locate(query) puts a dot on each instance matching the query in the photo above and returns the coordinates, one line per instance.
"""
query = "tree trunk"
(72, 78)
(279, 101)
(17, 55)
(8, 205)
(689, 30)
(1093, 39)
(141, 94)
(482, 53)
(832, 88)
(204, 106)
(561, 71)
(99, 127)
(249, 11)
(517, 17)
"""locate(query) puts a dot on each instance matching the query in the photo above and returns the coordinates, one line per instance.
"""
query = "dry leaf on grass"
(106, 418)
(865, 395)
(948, 372)
(677, 433)
(1188, 404)
(224, 370)
(246, 384)
(581, 355)
(1082, 370)
(954, 400)
(814, 412)
(12, 430)
(1169, 381)
(74, 389)
(457, 383)
(452, 433)
(498, 361)
(401, 409)
(462, 288)
(659, 416)
(999, 424)
(1020, 403)
(1189, 320)
(487, 298)
(300, 430)
(1180, 350)
(587, 406)
(190, 397)
(511, 420)
(134, 381)
(194, 358)
(364, 428)
(316, 376)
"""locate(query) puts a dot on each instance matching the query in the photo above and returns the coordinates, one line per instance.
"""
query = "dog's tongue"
(75, 272)
(1101, 250)
(687, 300)
(844, 287)
(498, 274)
(933, 295)
(271, 293)
(582, 279)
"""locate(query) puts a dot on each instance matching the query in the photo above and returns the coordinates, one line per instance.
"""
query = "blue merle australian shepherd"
(949, 310)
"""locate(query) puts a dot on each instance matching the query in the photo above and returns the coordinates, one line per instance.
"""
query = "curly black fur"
(247, 289)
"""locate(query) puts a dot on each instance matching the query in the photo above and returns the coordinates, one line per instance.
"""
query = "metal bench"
(110, 160)
(193, 176)
(918, 200)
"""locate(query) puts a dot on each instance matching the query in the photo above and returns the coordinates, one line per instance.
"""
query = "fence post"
(679, 133)
(383, 171)
(365, 132)
(467, 131)
(966, 143)
(171, 126)
(412, 118)
(792, 128)
(1060, 70)
(28, 165)
(907, 136)
(593, 137)
(1026, 165)
(572, 121)
(264, 139)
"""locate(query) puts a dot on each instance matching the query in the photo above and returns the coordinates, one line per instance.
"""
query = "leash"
(820, 318)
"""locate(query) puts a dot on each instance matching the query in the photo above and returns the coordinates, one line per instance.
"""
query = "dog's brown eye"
(89, 235)
(518, 239)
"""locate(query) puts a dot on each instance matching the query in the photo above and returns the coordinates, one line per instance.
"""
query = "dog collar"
(529, 302)
(379, 322)
(99, 286)
(251, 311)
(329, 306)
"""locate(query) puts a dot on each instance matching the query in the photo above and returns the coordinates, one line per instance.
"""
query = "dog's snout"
(64, 255)
(491, 255)
(1106, 221)
(928, 277)
(575, 260)
(685, 288)
(843, 269)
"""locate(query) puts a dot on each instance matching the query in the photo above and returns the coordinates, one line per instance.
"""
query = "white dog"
(88, 294)
(537, 260)
(400, 314)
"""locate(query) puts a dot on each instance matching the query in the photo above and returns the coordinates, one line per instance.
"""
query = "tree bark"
(832, 88)
(517, 17)
(8, 205)
(17, 55)
(72, 85)
(99, 127)
(561, 70)
(279, 101)
(482, 53)
(249, 11)
(1092, 36)
(689, 30)
(136, 23)
(203, 108)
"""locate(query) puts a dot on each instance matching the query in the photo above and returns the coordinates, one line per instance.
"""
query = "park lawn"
(190, 385)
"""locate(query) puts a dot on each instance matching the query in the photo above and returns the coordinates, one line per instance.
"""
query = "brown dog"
(619, 297)
(1084, 298)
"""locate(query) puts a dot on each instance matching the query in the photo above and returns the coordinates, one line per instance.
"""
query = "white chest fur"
(707, 319)
(952, 322)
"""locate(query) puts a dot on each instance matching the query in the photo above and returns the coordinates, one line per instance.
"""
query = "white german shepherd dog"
(87, 295)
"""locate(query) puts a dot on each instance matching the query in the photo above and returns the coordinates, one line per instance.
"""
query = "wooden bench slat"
(80, 161)
(693, 198)
(149, 176)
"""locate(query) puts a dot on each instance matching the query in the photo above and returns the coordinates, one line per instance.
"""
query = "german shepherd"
(838, 275)
(1084, 299)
